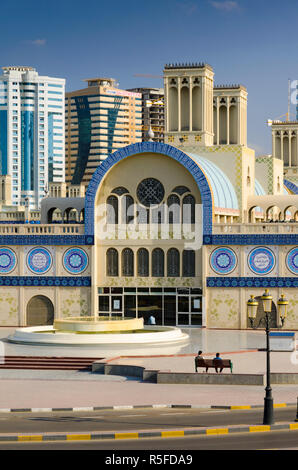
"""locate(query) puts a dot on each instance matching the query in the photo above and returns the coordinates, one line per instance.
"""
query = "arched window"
(173, 209)
(127, 209)
(142, 215)
(112, 210)
(112, 262)
(158, 214)
(188, 208)
(173, 263)
(188, 263)
(158, 261)
(127, 262)
(143, 262)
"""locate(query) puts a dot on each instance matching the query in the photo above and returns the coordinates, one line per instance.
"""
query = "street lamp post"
(252, 306)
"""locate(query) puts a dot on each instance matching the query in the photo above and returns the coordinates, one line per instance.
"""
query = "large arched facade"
(150, 271)
(150, 147)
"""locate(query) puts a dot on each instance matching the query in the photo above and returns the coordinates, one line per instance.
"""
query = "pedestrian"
(151, 320)
(197, 358)
(218, 358)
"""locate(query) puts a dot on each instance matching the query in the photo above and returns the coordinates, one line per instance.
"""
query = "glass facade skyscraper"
(100, 119)
(31, 132)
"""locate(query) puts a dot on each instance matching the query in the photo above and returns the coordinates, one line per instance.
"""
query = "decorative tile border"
(252, 282)
(46, 240)
(49, 281)
(155, 147)
(280, 239)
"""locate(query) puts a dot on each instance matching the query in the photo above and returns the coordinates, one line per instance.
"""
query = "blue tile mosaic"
(252, 282)
(8, 260)
(75, 260)
(45, 281)
(291, 186)
(223, 260)
(46, 240)
(278, 239)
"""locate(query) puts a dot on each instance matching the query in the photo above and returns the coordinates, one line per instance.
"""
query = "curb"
(145, 434)
(130, 407)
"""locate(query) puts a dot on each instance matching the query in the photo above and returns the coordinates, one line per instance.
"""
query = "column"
(167, 104)
(179, 104)
(217, 120)
(290, 149)
(190, 103)
(228, 121)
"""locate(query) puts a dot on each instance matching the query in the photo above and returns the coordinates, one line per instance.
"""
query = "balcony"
(50, 229)
(262, 228)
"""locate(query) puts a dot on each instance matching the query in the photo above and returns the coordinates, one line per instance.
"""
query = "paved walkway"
(58, 389)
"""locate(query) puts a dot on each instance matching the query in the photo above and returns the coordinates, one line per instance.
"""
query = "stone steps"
(47, 363)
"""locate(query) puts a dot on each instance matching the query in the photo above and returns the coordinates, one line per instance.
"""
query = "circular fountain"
(108, 333)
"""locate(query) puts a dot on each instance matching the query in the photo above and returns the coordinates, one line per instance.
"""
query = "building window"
(173, 209)
(127, 262)
(173, 263)
(127, 209)
(143, 262)
(112, 210)
(189, 204)
(158, 263)
(112, 262)
(150, 192)
(189, 263)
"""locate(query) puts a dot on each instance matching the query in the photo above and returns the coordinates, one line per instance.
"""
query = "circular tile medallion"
(8, 260)
(223, 260)
(292, 261)
(261, 260)
(75, 260)
(39, 260)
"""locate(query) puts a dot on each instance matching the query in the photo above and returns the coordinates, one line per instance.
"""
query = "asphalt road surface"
(135, 419)
(146, 419)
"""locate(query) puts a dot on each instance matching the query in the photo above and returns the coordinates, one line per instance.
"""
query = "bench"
(214, 363)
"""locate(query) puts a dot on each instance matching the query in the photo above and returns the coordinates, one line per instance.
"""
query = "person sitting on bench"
(199, 356)
(218, 358)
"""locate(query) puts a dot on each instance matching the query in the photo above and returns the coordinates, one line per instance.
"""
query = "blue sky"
(251, 42)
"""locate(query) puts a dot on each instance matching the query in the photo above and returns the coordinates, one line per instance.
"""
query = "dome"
(224, 194)
(259, 190)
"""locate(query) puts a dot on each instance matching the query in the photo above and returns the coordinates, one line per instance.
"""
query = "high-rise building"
(31, 132)
(153, 114)
(100, 119)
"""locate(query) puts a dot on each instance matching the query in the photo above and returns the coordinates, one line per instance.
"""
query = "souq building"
(185, 230)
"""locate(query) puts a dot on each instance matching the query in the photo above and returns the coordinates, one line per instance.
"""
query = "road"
(148, 419)
(135, 419)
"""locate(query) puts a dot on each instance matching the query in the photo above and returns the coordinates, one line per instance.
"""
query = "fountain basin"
(149, 336)
(100, 324)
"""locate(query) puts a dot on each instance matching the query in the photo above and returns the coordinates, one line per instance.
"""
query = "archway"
(54, 215)
(40, 311)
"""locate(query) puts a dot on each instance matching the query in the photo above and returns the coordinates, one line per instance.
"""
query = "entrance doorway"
(40, 311)
(169, 305)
